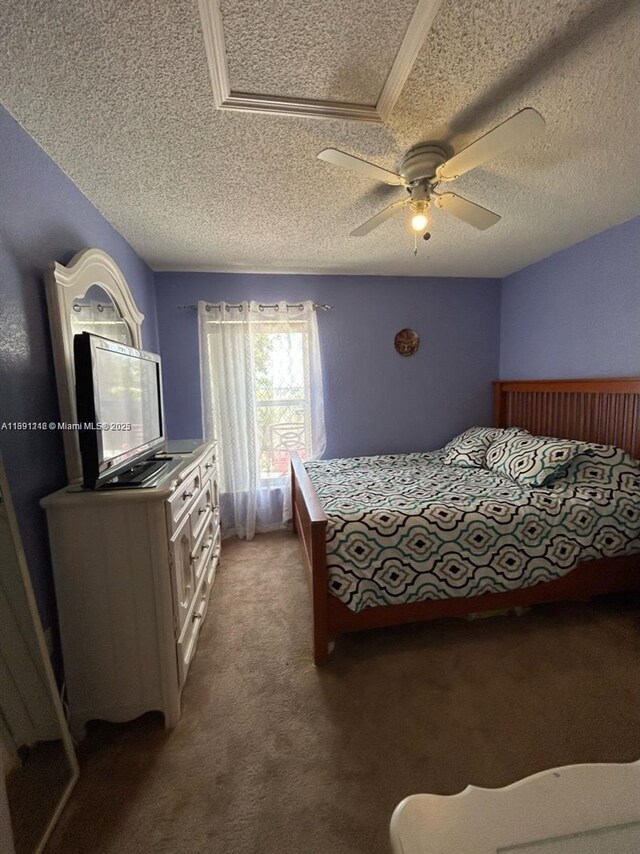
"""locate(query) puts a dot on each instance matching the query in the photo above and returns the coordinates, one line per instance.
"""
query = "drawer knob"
(204, 509)
(196, 617)
(209, 466)
(186, 495)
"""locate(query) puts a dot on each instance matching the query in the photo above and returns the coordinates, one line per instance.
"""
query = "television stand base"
(147, 474)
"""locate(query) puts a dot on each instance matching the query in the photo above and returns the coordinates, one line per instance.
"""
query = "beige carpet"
(275, 756)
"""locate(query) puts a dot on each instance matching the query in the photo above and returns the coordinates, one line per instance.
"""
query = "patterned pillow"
(531, 460)
(469, 449)
(600, 465)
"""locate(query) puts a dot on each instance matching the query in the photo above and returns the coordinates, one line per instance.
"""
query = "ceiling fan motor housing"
(422, 161)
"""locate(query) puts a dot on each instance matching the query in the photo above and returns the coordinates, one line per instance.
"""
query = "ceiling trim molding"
(417, 31)
(213, 32)
(226, 99)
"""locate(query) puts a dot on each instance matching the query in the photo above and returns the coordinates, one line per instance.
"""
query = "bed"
(594, 411)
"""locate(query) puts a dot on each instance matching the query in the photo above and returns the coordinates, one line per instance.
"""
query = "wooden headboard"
(606, 410)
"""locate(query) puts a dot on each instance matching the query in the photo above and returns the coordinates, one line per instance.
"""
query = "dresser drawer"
(186, 645)
(203, 508)
(213, 560)
(204, 544)
(183, 499)
(183, 578)
(188, 641)
(208, 464)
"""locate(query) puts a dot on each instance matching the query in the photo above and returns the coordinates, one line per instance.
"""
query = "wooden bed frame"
(606, 410)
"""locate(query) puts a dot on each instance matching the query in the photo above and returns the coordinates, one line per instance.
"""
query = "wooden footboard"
(591, 578)
(310, 524)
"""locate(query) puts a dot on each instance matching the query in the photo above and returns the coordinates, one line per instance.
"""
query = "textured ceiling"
(325, 57)
(118, 94)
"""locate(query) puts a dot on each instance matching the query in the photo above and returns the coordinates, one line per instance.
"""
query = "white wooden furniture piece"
(578, 809)
(133, 571)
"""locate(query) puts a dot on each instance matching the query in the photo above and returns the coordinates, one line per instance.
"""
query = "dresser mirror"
(36, 753)
(89, 295)
(96, 312)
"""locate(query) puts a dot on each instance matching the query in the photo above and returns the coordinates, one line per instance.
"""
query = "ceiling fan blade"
(379, 218)
(355, 164)
(517, 130)
(469, 212)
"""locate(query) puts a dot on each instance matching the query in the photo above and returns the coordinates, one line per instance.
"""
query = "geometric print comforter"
(404, 528)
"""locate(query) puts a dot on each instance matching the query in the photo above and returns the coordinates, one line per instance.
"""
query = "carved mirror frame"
(64, 285)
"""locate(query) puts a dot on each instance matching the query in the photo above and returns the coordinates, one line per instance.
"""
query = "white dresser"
(133, 571)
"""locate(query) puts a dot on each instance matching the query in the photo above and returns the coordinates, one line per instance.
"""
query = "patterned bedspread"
(403, 528)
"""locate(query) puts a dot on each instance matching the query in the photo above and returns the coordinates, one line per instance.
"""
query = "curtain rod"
(317, 306)
(78, 306)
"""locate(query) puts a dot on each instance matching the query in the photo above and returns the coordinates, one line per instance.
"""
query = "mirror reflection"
(36, 755)
(96, 312)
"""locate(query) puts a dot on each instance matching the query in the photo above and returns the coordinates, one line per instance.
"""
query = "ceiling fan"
(428, 164)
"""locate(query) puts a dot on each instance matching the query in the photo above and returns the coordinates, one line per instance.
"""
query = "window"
(262, 400)
(283, 396)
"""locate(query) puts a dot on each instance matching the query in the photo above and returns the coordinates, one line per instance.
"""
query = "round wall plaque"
(407, 342)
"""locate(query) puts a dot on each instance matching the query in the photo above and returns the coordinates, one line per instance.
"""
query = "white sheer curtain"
(261, 399)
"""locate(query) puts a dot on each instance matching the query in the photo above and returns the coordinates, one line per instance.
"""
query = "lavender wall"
(577, 313)
(375, 400)
(43, 216)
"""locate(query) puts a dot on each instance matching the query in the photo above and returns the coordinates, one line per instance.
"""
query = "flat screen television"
(119, 407)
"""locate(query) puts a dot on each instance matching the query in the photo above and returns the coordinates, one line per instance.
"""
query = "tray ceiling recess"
(227, 99)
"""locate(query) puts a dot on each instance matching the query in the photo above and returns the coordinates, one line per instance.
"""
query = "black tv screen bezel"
(95, 470)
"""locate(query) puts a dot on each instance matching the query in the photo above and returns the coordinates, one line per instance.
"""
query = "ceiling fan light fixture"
(419, 216)
(418, 222)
